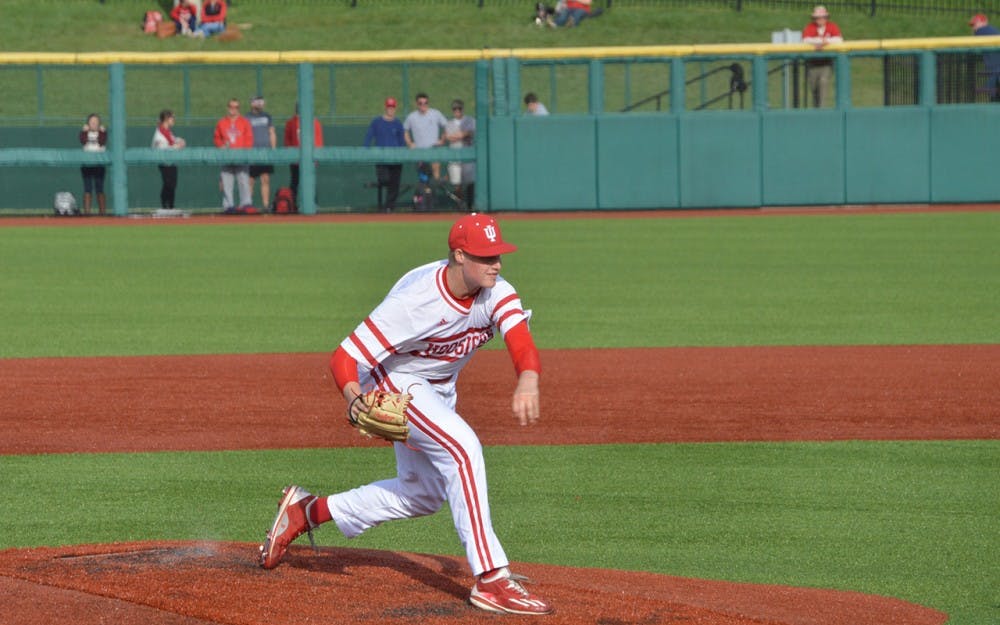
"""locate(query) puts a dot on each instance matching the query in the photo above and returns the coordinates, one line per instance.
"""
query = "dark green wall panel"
(637, 165)
(803, 157)
(965, 157)
(556, 162)
(888, 155)
(720, 159)
(503, 181)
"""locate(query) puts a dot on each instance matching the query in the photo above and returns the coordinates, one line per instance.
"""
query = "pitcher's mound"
(188, 583)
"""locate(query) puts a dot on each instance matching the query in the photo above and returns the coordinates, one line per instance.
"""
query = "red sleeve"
(83, 137)
(246, 133)
(834, 30)
(343, 367)
(219, 137)
(522, 349)
(290, 133)
(318, 132)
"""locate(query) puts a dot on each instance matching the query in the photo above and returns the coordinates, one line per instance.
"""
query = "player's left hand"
(381, 414)
(525, 404)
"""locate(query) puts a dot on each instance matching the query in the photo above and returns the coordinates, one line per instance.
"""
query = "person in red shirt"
(293, 139)
(213, 18)
(574, 12)
(234, 132)
(819, 72)
(185, 16)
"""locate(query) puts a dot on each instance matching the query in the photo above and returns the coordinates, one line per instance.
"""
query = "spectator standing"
(213, 18)
(533, 105)
(423, 129)
(386, 131)
(233, 132)
(460, 132)
(264, 136)
(164, 139)
(94, 138)
(293, 139)
(185, 17)
(819, 72)
(981, 27)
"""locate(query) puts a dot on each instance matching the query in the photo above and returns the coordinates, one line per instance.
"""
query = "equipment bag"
(64, 204)
(150, 21)
(284, 201)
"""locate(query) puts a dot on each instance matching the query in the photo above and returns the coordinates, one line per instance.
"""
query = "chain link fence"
(870, 7)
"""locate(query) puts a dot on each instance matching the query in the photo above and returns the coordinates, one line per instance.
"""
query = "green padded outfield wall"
(903, 154)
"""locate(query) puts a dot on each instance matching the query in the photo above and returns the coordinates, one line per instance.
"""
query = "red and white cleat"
(505, 594)
(291, 522)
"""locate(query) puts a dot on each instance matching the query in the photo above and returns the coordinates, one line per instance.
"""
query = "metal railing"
(737, 86)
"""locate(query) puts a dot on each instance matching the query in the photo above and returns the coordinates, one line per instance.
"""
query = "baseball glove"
(381, 414)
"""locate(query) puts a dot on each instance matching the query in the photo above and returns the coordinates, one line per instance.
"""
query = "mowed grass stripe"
(900, 278)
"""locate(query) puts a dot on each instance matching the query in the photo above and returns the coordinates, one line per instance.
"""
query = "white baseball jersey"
(421, 329)
(417, 340)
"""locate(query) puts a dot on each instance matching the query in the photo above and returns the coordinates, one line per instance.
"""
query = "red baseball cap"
(478, 235)
(390, 101)
(978, 18)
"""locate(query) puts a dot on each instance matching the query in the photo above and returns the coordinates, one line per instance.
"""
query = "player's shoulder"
(418, 277)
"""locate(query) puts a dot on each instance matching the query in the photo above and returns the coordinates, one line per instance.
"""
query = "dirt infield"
(688, 394)
(65, 405)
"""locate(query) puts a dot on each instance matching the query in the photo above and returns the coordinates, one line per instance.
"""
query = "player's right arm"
(345, 374)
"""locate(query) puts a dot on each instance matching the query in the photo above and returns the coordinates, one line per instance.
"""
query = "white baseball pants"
(443, 462)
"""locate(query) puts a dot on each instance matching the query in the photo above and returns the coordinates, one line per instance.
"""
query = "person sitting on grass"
(572, 12)
(185, 17)
(213, 18)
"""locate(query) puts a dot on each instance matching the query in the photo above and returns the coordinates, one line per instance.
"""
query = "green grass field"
(394, 25)
(866, 279)
(915, 520)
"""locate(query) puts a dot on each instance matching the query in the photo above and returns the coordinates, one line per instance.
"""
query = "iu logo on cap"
(491, 233)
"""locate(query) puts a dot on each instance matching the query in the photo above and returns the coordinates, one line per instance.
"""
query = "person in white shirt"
(534, 107)
(424, 127)
(164, 139)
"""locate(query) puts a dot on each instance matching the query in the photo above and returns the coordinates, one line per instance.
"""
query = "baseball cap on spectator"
(978, 18)
(478, 235)
(390, 101)
(820, 11)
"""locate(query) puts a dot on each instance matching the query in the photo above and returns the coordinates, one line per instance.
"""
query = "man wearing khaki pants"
(819, 72)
